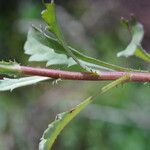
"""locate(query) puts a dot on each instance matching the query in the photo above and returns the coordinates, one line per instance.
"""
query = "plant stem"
(69, 75)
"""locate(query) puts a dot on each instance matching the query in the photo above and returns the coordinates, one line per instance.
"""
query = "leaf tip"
(124, 22)
(119, 54)
(133, 19)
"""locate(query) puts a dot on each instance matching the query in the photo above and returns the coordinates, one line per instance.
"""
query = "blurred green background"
(118, 120)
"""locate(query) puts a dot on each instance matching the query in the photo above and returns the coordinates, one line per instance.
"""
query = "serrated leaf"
(54, 129)
(8, 84)
(49, 16)
(134, 48)
(60, 122)
(42, 47)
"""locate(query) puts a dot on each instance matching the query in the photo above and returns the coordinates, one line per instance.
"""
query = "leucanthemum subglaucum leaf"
(44, 48)
(134, 48)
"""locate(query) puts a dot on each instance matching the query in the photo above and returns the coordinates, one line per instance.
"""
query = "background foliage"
(118, 120)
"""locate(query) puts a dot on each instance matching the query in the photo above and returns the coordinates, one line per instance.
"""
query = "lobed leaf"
(8, 84)
(134, 48)
(49, 16)
(42, 47)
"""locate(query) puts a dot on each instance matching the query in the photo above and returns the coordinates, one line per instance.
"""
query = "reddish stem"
(68, 75)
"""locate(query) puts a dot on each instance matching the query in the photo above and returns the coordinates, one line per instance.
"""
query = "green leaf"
(134, 48)
(9, 84)
(49, 16)
(54, 129)
(42, 47)
(115, 83)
